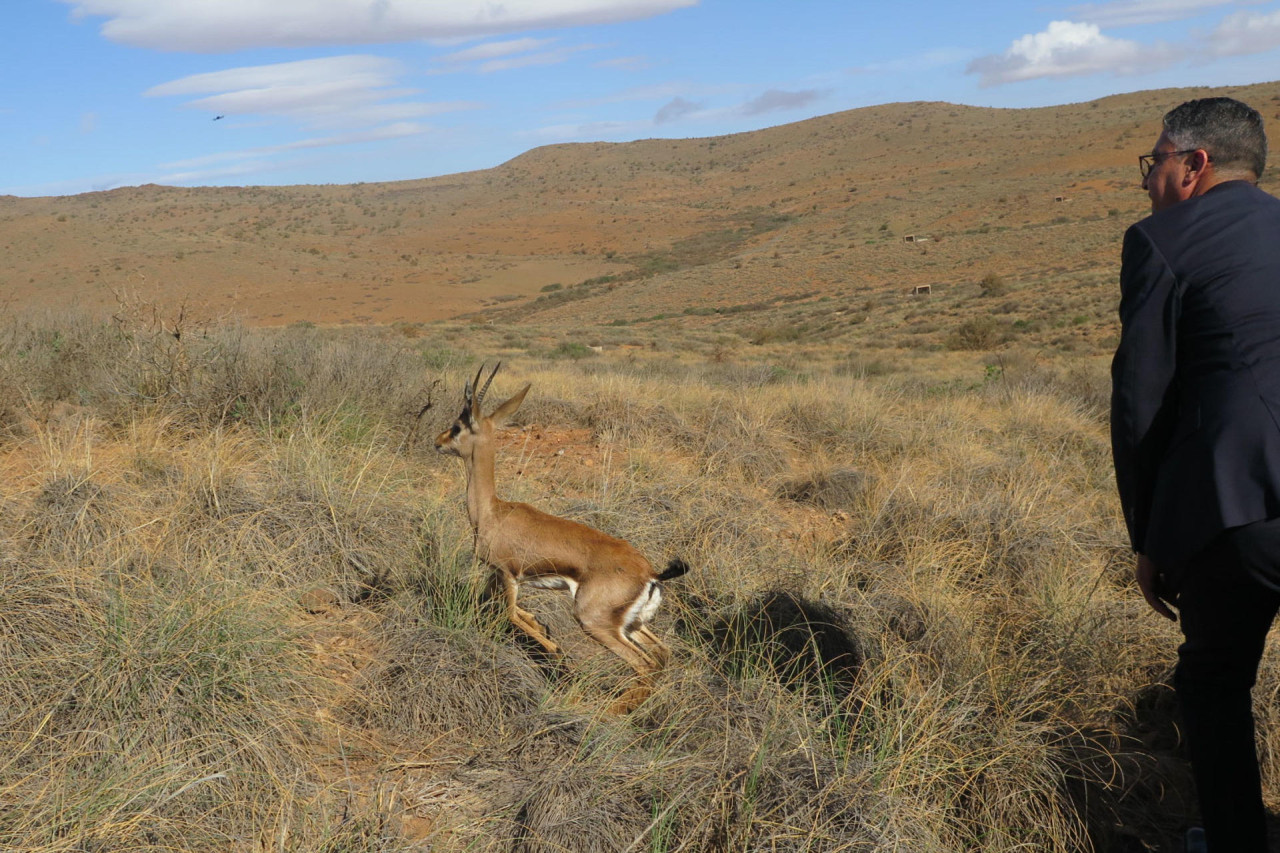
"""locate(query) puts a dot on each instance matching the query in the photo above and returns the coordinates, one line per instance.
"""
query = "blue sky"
(106, 93)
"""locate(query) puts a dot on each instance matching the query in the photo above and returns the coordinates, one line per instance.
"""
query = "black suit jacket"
(1195, 406)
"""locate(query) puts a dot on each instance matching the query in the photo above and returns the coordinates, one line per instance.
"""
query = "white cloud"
(228, 25)
(1244, 33)
(200, 176)
(589, 131)
(1123, 13)
(399, 130)
(549, 57)
(506, 56)
(675, 109)
(340, 91)
(365, 71)
(660, 92)
(919, 62)
(229, 164)
(775, 100)
(495, 50)
(1069, 48)
(626, 63)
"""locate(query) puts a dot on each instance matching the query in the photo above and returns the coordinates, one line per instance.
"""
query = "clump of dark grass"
(219, 373)
(431, 682)
(167, 717)
(831, 489)
(72, 514)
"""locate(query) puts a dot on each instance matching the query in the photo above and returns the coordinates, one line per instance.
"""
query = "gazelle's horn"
(480, 399)
(469, 395)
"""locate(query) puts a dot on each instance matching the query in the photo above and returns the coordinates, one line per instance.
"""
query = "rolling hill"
(822, 229)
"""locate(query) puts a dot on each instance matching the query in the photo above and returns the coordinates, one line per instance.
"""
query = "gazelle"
(615, 590)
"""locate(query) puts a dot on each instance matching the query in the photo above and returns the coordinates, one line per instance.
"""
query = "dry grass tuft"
(837, 488)
(428, 682)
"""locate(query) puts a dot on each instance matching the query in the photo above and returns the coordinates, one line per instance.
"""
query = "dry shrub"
(737, 441)
(290, 517)
(831, 489)
(44, 610)
(273, 378)
(63, 357)
(539, 408)
(225, 373)
(628, 419)
(169, 718)
(979, 333)
(576, 808)
(11, 405)
(748, 764)
(72, 514)
(428, 682)
(993, 284)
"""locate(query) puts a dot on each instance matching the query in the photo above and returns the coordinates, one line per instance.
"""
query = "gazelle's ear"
(509, 406)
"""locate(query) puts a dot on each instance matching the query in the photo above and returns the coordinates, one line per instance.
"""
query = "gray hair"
(1230, 131)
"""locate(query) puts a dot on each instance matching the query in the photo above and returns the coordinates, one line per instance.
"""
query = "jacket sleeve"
(1143, 377)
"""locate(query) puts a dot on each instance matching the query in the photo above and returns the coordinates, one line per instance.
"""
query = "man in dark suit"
(1195, 428)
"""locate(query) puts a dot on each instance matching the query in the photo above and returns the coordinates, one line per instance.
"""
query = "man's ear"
(1197, 167)
(509, 406)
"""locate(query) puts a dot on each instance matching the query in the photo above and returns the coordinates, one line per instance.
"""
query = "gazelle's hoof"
(630, 700)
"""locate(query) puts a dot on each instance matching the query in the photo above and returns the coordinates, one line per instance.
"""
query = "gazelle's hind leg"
(521, 618)
(604, 611)
(612, 637)
(615, 639)
(603, 624)
(652, 645)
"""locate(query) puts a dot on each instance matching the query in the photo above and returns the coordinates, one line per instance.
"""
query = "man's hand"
(1148, 582)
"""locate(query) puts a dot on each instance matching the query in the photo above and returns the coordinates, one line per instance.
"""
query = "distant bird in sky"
(215, 118)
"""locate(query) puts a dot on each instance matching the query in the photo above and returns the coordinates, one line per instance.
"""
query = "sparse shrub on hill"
(220, 375)
(993, 284)
(572, 349)
(978, 333)
(783, 332)
(862, 367)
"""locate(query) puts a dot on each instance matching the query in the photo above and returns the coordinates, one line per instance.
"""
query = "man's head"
(1205, 142)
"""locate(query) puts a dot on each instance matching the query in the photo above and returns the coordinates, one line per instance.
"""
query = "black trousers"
(1229, 596)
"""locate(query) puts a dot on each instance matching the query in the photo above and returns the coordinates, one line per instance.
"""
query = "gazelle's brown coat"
(615, 590)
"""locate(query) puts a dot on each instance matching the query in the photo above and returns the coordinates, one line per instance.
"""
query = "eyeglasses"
(1147, 162)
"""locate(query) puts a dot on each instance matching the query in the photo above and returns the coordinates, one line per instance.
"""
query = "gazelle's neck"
(481, 494)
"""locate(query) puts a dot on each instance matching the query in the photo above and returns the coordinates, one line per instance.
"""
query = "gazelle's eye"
(454, 430)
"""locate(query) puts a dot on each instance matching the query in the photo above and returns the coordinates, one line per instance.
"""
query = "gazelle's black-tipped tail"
(675, 569)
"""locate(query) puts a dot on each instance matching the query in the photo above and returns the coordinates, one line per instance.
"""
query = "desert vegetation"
(740, 231)
(239, 608)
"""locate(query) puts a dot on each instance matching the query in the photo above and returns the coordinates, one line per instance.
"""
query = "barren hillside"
(802, 228)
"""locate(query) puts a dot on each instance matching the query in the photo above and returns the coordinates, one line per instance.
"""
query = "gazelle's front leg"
(521, 618)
